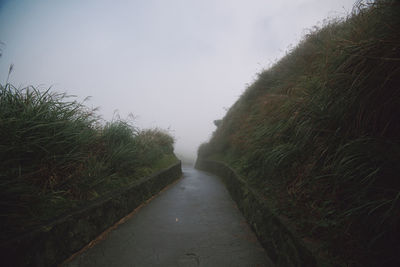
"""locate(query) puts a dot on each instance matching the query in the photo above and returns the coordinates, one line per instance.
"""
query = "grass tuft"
(319, 133)
(55, 155)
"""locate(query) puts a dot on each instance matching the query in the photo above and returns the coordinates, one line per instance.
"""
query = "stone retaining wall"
(52, 243)
(282, 245)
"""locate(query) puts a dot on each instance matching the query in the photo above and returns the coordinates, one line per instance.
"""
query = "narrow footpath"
(193, 223)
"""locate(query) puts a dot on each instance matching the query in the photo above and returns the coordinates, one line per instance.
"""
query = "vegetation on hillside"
(56, 155)
(319, 134)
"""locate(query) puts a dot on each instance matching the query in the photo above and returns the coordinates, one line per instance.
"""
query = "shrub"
(321, 128)
(55, 156)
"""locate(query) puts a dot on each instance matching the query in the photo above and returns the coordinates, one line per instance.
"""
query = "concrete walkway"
(192, 223)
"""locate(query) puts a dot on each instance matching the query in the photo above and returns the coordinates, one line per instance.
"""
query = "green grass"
(56, 155)
(319, 133)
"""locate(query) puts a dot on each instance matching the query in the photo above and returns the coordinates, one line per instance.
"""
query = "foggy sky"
(176, 64)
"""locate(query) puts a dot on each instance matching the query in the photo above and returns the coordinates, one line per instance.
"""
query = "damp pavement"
(192, 223)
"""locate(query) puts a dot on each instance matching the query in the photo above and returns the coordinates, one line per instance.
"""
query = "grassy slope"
(319, 133)
(56, 156)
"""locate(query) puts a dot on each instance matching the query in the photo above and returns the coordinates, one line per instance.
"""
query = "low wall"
(52, 243)
(282, 246)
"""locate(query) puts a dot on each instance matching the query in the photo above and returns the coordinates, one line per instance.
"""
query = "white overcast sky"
(176, 64)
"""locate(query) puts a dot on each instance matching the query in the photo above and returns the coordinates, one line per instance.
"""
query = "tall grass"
(322, 127)
(55, 155)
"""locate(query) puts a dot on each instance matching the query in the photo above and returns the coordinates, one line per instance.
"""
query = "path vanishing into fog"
(192, 223)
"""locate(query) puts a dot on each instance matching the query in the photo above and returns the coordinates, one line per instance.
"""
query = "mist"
(177, 65)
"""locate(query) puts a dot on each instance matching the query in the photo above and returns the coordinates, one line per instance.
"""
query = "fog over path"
(158, 60)
(193, 223)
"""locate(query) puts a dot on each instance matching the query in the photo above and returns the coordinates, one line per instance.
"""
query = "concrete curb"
(52, 243)
(282, 245)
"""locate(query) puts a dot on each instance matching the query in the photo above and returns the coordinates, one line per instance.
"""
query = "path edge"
(52, 243)
(281, 244)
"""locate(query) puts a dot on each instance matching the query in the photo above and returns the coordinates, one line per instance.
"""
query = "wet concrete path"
(192, 223)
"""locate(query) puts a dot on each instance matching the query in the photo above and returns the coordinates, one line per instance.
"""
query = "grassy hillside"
(319, 134)
(55, 156)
